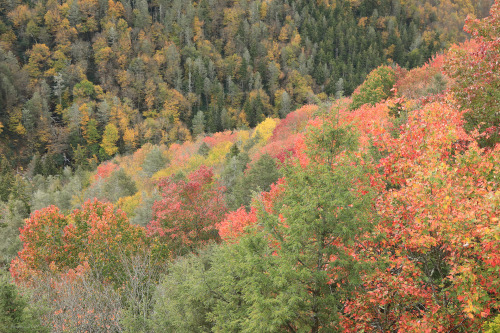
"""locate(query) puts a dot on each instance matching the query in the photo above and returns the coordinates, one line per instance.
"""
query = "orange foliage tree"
(439, 219)
(95, 236)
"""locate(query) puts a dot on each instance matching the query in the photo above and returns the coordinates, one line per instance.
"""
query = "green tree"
(257, 179)
(6, 178)
(15, 314)
(154, 161)
(119, 185)
(300, 271)
(184, 299)
(377, 87)
(198, 124)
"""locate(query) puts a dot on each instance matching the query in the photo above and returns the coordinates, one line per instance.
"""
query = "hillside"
(377, 212)
(84, 80)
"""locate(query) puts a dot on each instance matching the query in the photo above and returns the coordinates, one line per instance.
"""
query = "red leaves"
(104, 170)
(476, 69)
(393, 299)
(287, 135)
(294, 123)
(219, 137)
(43, 243)
(235, 222)
(186, 217)
(438, 230)
(427, 137)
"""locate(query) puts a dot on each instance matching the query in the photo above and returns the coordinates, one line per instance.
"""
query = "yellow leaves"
(52, 20)
(285, 33)
(115, 9)
(85, 111)
(159, 57)
(296, 39)
(102, 53)
(197, 29)
(150, 94)
(38, 62)
(231, 16)
(265, 129)
(218, 153)
(328, 3)
(109, 139)
(174, 102)
(130, 203)
(20, 15)
(362, 22)
(243, 135)
(470, 309)
(129, 138)
(389, 52)
(274, 53)
(178, 132)
(263, 10)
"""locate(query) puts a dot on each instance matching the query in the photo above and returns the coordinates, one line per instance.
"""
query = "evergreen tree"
(155, 161)
(15, 315)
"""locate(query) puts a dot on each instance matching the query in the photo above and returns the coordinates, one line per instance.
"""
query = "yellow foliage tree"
(109, 139)
(265, 129)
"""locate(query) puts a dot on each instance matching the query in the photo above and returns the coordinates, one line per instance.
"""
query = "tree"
(257, 178)
(118, 185)
(109, 139)
(436, 241)
(6, 179)
(285, 104)
(184, 220)
(95, 235)
(294, 268)
(15, 314)
(185, 296)
(198, 124)
(155, 161)
(477, 77)
(38, 62)
(377, 87)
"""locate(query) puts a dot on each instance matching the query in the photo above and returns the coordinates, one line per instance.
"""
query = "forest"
(250, 166)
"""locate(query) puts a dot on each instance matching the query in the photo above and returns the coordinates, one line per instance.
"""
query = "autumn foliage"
(94, 236)
(477, 76)
(186, 216)
(384, 217)
(437, 224)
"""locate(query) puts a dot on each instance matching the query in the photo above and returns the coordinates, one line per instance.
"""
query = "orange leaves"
(372, 122)
(427, 138)
(294, 123)
(235, 222)
(226, 136)
(474, 66)
(104, 170)
(43, 243)
(422, 81)
(440, 234)
(393, 299)
(94, 235)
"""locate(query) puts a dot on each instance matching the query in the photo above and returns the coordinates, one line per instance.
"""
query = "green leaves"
(377, 87)
(15, 314)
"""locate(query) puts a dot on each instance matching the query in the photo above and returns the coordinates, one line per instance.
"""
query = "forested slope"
(377, 212)
(83, 80)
